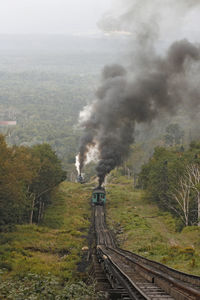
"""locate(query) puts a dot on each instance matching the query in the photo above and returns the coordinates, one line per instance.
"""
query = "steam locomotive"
(99, 196)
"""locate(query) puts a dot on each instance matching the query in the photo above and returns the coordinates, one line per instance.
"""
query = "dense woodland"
(46, 107)
(44, 85)
(27, 176)
(172, 180)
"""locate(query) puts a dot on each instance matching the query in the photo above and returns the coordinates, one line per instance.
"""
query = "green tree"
(49, 175)
(171, 179)
(174, 135)
(27, 177)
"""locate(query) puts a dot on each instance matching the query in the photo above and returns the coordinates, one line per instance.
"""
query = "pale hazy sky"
(67, 17)
(51, 16)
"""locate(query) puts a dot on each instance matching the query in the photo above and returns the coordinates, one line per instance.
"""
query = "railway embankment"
(40, 261)
(141, 227)
(134, 277)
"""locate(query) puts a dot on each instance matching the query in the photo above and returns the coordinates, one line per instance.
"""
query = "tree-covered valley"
(153, 197)
(45, 83)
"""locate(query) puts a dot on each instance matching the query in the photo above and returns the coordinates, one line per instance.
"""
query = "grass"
(142, 228)
(40, 262)
(55, 246)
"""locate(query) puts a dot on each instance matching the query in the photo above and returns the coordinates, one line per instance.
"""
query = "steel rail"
(188, 278)
(167, 279)
(123, 278)
(188, 289)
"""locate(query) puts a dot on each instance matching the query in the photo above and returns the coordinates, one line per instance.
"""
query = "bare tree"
(190, 181)
(182, 197)
(193, 173)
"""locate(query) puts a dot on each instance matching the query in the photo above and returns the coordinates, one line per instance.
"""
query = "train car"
(99, 196)
(80, 179)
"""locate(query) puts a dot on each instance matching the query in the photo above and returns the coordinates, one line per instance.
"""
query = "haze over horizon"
(70, 17)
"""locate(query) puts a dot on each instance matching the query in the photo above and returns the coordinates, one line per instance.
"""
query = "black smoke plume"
(150, 85)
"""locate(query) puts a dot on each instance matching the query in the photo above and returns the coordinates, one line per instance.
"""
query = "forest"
(44, 86)
(172, 180)
(28, 176)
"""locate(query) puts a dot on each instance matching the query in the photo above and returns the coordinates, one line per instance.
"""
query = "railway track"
(131, 276)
